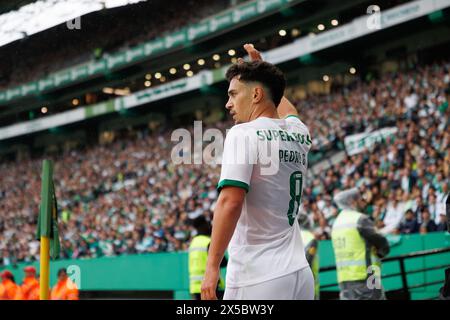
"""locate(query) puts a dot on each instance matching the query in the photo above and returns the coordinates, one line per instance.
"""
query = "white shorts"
(298, 285)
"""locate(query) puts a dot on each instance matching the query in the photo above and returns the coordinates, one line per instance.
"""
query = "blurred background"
(99, 86)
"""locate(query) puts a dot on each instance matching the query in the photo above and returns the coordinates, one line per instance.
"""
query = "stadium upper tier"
(119, 38)
(129, 197)
(190, 76)
(103, 39)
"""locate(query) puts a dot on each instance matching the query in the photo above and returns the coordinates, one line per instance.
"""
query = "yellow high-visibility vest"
(307, 237)
(198, 256)
(350, 249)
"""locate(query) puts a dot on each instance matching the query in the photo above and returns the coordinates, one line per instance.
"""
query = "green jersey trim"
(233, 183)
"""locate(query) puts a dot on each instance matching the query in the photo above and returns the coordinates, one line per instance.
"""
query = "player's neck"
(264, 110)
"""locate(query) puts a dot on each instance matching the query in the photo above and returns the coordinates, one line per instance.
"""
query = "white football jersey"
(267, 157)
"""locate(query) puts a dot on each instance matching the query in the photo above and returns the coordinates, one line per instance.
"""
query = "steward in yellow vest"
(198, 256)
(311, 246)
(358, 248)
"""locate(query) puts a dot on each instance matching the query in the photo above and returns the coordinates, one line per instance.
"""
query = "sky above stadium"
(44, 14)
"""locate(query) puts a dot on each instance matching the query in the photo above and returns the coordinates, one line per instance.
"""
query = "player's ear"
(258, 94)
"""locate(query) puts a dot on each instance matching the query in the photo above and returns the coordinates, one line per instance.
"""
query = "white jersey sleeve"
(293, 119)
(239, 156)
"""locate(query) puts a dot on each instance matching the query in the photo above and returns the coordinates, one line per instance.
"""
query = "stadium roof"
(43, 14)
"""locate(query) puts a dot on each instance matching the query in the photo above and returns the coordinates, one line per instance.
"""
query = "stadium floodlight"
(201, 62)
(172, 70)
(108, 90)
(158, 75)
(216, 57)
(147, 83)
(186, 66)
(352, 70)
(321, 27)
(234, 60)
(231, 52)
(162, 79)
(44, 14)
(334, 22)
(44, 110)
(148, 76)
(190, 73)
(282, 33)
(122, 92)
(295, 32)
(75, 102)
(325, 78)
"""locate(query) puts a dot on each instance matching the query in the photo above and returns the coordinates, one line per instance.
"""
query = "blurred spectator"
(9, 290)
(64, 289)
(442, 224)
(427, 225)
(409, 223)
(30, 285)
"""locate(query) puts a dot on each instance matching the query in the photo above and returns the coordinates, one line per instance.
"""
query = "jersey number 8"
(295, 187)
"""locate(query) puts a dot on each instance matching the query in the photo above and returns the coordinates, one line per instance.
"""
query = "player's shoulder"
(243, 128)
(241, 131)
(294, 119)
(296, 122)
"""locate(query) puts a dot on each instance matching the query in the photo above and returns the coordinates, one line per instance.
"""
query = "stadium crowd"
(128, 197)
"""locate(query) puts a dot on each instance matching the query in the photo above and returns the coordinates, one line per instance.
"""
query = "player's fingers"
(205, 293)
(240, 60)
(208, 295)
(252, 52)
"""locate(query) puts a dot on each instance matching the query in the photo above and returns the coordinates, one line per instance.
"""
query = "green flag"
(48, 213)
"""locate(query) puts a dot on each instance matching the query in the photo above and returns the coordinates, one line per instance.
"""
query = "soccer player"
(256, 211)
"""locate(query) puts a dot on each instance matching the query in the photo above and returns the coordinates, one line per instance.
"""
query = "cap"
(29, 269)
(6, 274)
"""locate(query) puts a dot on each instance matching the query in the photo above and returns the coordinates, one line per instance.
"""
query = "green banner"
(115, 60)
(61, 78)
(245, 12)
(154, 46)
(79, 73)
(176, 39)
(219, 74)
(198, 30)
(135, 54)
(45, 84)
(96, 67)
(99, 109)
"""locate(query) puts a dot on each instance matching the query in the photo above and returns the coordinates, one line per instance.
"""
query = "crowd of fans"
(128, 197)
(406, 179)
(124, 27)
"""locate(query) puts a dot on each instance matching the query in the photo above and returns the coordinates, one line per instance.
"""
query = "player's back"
(267, 243)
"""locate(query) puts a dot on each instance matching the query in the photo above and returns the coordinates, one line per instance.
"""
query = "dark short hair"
(61, 271)
(200, 222)
(260, 71)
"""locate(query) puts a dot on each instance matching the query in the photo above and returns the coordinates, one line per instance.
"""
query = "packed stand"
(127, 197)
(405, 179)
